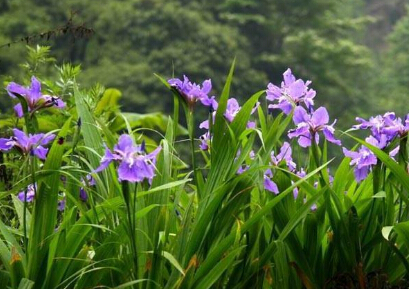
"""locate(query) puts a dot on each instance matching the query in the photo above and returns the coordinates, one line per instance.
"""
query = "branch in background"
(70, 28)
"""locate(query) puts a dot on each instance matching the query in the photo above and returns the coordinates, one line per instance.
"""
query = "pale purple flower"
(308, 126)
(193, 92)
(30, 194)
(32, 94)
(292, 93)
(134, 164)
(269, 184)
(27, 144)
(284, 155)
(363, 160)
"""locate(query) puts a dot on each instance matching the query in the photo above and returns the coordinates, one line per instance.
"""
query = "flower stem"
(191, 130)
(126, 195)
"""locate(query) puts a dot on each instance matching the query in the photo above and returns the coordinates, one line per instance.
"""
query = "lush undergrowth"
(95, 198)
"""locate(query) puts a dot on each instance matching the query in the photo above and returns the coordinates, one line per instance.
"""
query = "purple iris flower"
(193, 92)
(61, 205)
(134, 164)
(205, 140)
(301, 174)
(284, 155)
(26, 144)
(30, 193)
(291, 93)
(308, 126)
(35, 99)
(269, 184)
(365, 159)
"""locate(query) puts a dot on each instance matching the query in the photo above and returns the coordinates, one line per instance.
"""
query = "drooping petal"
(328, 132)
(270, 186)
(106, 160)
(361, 174)
(6, 144)
(128, 172)
(40, 152)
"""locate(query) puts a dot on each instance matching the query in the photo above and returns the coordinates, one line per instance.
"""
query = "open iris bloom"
(292, 92)
(364, 159)
(308, 126)
(32, 94)
(27, 144)
(193, 92)
(134, 164)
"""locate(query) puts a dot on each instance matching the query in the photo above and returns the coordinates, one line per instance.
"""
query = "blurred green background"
(356, 52)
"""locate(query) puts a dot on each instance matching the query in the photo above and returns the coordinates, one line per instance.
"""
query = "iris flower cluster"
(135, 165)
(32, 94)
(293, 95)
(384, 129)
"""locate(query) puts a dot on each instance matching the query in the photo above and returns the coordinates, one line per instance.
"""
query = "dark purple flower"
(134, 164)
(27, 144)
(292, 93)
(308, 126)
(30, 193)
(89, 181)
(193, 92)
(83, 195)
(35, 99)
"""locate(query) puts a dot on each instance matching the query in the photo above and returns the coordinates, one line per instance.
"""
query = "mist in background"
(355, 52)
